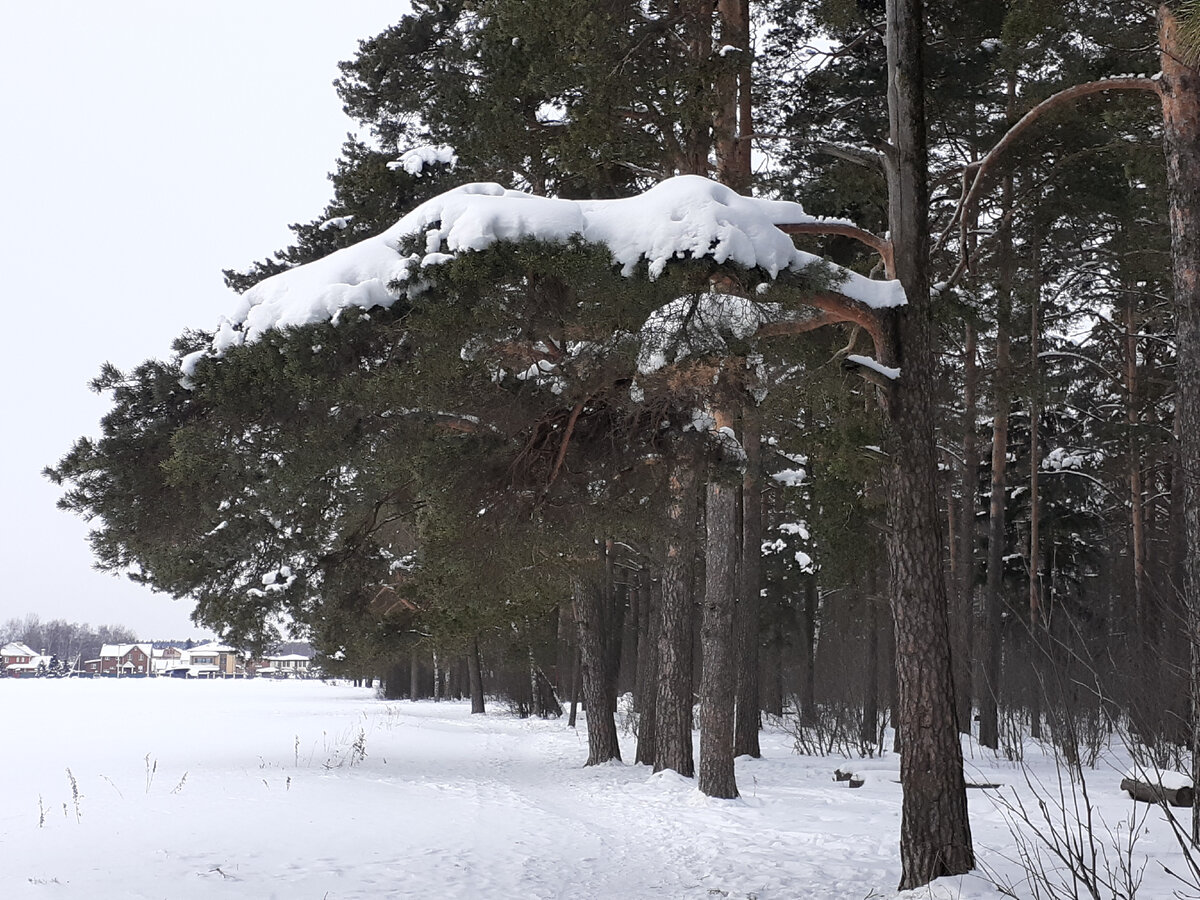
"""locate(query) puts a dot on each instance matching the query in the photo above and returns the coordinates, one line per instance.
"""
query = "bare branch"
(880, 245)
(975, 175)
(872, 159)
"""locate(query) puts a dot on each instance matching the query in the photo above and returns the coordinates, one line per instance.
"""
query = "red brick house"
(123, 660)
(15, 654)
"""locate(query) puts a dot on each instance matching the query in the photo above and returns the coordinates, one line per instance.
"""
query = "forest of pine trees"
(1004, 539)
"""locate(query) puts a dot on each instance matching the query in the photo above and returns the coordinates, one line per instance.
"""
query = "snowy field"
(264, 789)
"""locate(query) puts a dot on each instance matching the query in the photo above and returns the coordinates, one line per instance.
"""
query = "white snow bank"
(686, 216)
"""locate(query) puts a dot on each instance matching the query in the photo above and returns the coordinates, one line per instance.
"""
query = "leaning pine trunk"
(716, 640)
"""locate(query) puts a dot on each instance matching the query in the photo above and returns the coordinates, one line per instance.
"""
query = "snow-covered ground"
(268, 789)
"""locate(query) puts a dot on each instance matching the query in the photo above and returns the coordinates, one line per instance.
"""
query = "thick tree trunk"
(716, 641)
(749, 719)
(603, 745)
(475, 674)
(935, 834)
(732, 123)
(673, 736)
(647, 690)
(1181, 141)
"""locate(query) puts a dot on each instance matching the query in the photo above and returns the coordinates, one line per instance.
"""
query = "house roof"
(287, 657)
(16, 648)
(119, 650)
(211, 647)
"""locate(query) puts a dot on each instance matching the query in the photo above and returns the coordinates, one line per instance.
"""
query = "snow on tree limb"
(680, 218)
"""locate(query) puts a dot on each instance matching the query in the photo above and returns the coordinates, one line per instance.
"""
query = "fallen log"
(1157, 793)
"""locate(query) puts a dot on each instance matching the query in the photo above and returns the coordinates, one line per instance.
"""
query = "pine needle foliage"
(1187, 14)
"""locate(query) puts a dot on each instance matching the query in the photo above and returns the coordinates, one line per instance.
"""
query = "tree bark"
(992, 637)
(808, 630)
(935, 834)
(867, 735)
(1181, 143)
(475, 674)
(603, 745)
(647, 680)
(716, 640)
(673, 735)
(748, 707)
(575, 666)
(1035, 512)
(414, 678)
(732, 125)
(962, 622)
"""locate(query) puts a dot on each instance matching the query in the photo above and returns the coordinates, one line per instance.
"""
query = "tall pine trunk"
(962, 622)
(748, 704)
(603, 745)
(647, 666)
(475, 676)
(673, 735)
(935, 834)
(1181, 142)
(716, 640)
(991, 639)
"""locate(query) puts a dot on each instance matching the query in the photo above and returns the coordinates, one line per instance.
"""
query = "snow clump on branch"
(683, 217)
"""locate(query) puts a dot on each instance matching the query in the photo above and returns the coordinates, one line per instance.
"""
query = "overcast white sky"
(147, 145)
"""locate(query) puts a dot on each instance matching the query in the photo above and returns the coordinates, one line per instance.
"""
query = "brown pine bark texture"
(748, 719)
(935, 834)
(673, 735)
(716, 641)
(1181, 143)
(603, 745)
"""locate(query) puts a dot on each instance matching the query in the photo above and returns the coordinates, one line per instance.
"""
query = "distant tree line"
(70, 642)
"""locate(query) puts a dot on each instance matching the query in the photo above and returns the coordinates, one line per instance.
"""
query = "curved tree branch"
(975, 175)
(880, 245)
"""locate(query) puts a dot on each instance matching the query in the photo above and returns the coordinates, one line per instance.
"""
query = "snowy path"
(276, 803)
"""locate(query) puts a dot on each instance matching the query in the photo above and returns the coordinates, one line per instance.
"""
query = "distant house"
(123, 660)
(289, 665)
(164, 660)
(15, 654)
(212, 661)
(30, 668)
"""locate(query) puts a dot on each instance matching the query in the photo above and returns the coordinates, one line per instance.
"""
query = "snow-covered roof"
(119, 650)
(211, 647)
(16, 648)
(685, 216)
(288, 657)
